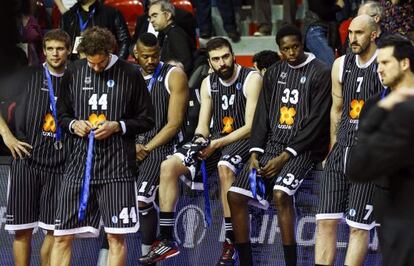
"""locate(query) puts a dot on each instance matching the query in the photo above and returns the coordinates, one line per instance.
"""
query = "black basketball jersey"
(359, 83)
(36, 124)
(293, 109)
(229, 102)
(117, 94)
(160, 97)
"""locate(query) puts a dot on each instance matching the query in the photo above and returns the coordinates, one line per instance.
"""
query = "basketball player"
(289, 135)
(103, 103)
(354, 81)
(35, 177)
(228, 98)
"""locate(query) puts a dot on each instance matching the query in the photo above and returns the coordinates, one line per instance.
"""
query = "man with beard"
(103, 104)
(35, 180)
(354, 81)
(384, 150)
(168, 88)
(290, 135)
(228, 99)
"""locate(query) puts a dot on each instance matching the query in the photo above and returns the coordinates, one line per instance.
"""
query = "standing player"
(354, 81)
(289, 135)
(104, 98)
(35, 180)
(228, 98)
(168, 87)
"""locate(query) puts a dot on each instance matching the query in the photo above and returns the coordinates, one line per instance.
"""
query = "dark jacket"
(182, 18)
(176, 45)
(104, 16)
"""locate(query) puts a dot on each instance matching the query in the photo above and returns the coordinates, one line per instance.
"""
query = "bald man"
(374, 10)
(354, 81)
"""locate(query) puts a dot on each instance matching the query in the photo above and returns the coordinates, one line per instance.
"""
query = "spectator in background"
(226, 9)
(182, 18)
(88, 13)
(31, 34)
(175, 43)
(263, 9)
(374, 10)
(321, 29)
(264, 59)
(398, 17)
(64, 5)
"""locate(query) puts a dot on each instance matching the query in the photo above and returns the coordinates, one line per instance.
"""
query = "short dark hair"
(96, 40)
(265, 59)
(403, 48)
(218, 42)
(57, 35)
(288, 30)
(148, 39)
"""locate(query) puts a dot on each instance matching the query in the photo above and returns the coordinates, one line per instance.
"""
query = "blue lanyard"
(253, 180)
(154, 77)
(86, 179)
(207, 208)
(52, 103)
(82, 24)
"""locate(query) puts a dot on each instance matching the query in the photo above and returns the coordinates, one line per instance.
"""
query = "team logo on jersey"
(287, 116)
(49, 124)
(356, 107)
(228, 124)
(160, 78)
(96, 120)
(302, 80)
(283, 75)
(110, 83)
(88, 80)
(352, 212)
(214, 85)
(238, 86)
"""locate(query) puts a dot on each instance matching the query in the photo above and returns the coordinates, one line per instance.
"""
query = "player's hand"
(274, 165)
(208, 151)
(81, 128)
(254, 162)
(16, 147)
(396, 97)
(106, 129)
(141, 152)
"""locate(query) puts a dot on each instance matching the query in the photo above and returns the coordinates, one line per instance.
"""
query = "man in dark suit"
(385, 150)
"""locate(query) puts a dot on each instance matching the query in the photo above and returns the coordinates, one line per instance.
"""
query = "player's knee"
(358, 232)
(226, 174)
(168, 169)
(235, 199)
(282, 199)
(63, 242)
(327, 226)
(23, 235)
(116, 241)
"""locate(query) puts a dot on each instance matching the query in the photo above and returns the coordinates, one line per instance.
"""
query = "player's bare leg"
(286, 221)
(325, 244)
(46, 249)
(117, 250)
(61, 251)
(357, 246)
(22, 247)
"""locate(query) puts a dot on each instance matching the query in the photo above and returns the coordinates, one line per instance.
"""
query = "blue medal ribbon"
(52, 102)
(87, 178)
(83, 24)
(256, 182)
(384, 93)
(207, 208)
(154, 77)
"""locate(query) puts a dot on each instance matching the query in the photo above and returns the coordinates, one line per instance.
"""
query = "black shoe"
(234, 36)
(229, 254)
(159, 251)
